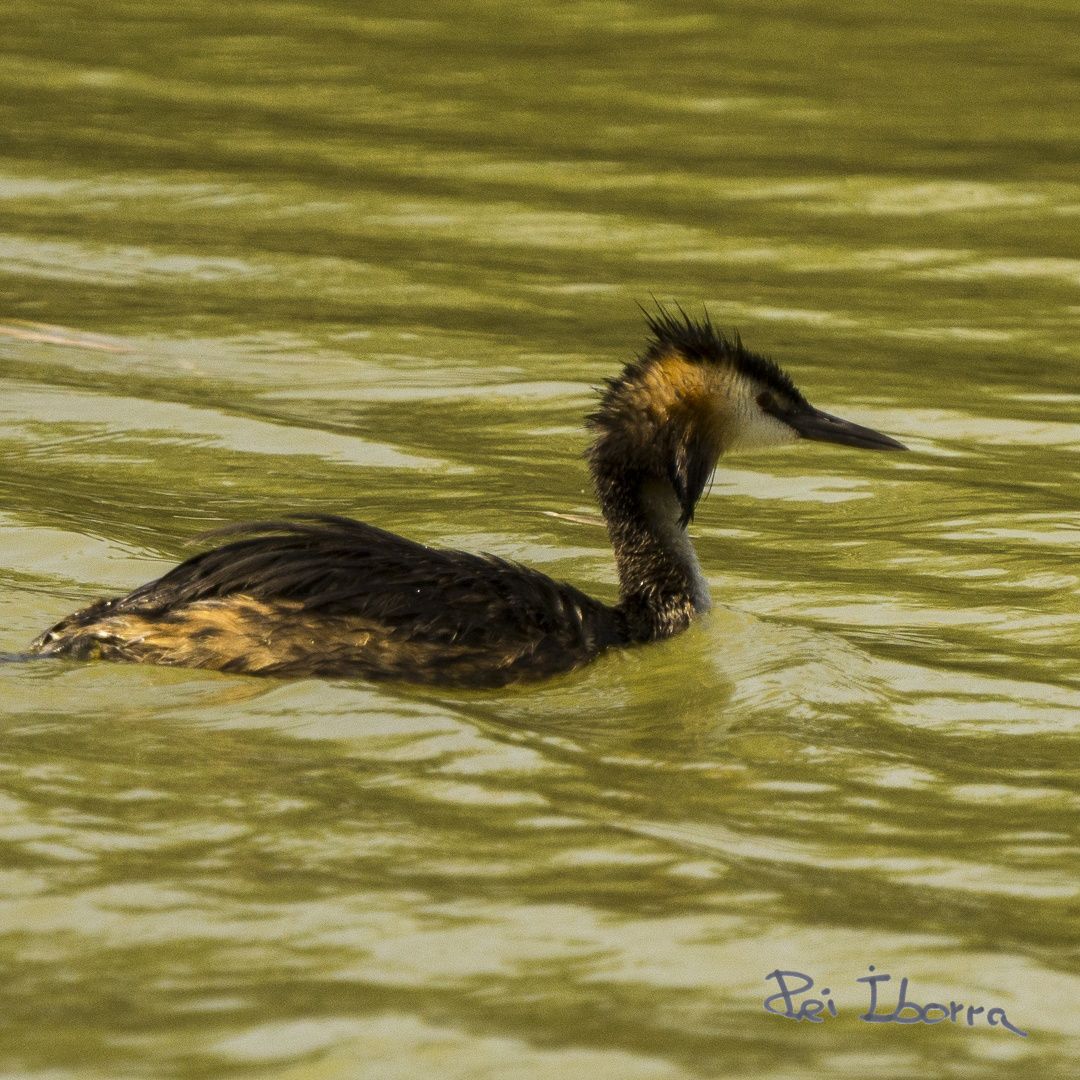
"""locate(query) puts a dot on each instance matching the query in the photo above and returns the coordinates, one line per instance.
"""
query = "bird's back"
(332, 596)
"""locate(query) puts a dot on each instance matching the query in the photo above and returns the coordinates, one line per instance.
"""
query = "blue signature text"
(793, 1002)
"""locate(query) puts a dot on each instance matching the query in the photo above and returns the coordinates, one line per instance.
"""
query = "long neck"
(660, 581)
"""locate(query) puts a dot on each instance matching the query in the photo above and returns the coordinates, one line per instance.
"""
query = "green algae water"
(373, 259)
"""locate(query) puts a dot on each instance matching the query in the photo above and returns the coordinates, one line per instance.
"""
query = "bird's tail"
(21, 657)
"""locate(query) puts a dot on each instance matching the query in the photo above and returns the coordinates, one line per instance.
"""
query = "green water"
(275, 257)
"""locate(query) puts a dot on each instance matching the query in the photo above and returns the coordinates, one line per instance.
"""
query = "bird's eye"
(768, 404)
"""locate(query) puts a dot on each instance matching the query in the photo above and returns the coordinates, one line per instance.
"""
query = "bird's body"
(330, 596)
(334, 597)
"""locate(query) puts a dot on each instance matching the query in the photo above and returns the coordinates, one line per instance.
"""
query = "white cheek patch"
(751, 428)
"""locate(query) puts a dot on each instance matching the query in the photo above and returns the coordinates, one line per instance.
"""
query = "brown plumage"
(329, 596)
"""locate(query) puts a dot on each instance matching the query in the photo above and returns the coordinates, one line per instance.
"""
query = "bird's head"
(695, 394)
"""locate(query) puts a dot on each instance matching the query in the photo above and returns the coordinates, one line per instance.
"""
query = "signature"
(905, 1010)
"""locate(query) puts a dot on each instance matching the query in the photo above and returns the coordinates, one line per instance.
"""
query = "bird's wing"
(337, 566)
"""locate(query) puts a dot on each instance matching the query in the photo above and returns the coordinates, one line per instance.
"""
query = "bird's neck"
(661, 586)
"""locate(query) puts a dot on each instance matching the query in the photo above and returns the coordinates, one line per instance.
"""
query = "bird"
(327, 596)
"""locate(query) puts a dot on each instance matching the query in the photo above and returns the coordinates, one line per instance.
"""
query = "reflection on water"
(304, 257)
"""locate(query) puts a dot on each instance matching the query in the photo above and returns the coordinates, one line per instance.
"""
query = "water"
(285, 257)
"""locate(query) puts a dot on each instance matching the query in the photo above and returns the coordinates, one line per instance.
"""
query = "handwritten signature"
(904, 1011)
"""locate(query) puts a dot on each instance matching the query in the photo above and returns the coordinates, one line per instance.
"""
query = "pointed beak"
(820, 426)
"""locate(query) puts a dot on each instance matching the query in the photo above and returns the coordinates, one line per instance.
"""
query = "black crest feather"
(701, 342)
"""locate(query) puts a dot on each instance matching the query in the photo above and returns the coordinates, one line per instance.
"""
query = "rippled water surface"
(372, 259)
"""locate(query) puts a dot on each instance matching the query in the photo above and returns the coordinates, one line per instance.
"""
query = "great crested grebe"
(324, 595)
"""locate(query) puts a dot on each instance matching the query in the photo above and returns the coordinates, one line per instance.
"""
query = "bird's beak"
(820, 426)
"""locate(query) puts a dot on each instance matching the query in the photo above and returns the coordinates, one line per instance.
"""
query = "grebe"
(324, 595)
